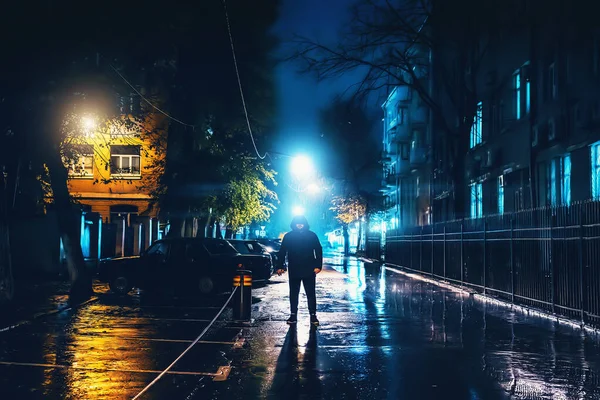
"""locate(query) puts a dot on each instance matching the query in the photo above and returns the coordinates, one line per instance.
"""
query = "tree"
(200, 179)
(348, 209)
(435, 47)
(350, 135)
(248, 199)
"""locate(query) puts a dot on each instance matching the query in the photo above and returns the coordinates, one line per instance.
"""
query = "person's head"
(299, 223)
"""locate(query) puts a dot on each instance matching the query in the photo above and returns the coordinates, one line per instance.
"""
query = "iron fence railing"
(547, 258)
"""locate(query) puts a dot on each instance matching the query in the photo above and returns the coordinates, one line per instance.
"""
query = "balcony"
(399, 133)
(385, 158)
(391, 180)
(418, 155)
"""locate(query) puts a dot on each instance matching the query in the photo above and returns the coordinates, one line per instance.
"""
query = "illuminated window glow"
(476, 200)
(477, 126)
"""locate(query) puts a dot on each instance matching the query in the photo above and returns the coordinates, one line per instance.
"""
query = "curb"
(61, 308)
(488, 299)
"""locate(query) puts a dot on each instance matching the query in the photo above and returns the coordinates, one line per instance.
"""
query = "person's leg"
(294, 293)
(311, 295)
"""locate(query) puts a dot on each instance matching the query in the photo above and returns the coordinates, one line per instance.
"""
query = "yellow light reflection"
(102, 344)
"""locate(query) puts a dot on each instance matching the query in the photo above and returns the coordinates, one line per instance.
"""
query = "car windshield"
(219, 247)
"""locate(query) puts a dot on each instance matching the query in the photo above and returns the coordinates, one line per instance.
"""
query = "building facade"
(113, 173)
(535, 133)
(406, 159)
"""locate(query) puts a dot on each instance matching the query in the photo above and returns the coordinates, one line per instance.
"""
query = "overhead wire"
(149, 102)
(237, 73)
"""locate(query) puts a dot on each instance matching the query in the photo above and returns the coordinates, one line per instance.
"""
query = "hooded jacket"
(303, 250)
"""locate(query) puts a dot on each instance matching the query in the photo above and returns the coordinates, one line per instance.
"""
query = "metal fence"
(373, 246)
(547, 258)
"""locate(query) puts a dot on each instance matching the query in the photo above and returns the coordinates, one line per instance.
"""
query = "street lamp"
(302, 167)
(313, 188)
(89, 123)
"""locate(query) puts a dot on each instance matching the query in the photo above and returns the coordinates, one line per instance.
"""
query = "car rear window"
(219, 247)
(241, 247)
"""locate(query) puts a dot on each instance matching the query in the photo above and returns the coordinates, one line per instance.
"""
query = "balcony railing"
(400, 133)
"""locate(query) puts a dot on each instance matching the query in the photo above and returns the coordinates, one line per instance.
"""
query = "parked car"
(253, 247)
(193, 264)
(272, 246)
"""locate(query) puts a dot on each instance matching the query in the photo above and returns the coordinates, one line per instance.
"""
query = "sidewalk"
(386, 336)
(34, 299)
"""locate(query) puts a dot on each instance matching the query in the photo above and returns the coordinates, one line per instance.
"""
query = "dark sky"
(300, 95)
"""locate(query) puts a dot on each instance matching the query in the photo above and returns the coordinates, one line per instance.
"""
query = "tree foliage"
(247, 198)
(349, 208)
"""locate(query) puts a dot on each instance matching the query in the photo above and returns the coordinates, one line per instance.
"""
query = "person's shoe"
(292, 319)
(314, 320)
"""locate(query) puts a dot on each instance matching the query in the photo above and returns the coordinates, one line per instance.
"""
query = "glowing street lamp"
(298, 210)
(313, 188)
(89, 123)
(302, 167)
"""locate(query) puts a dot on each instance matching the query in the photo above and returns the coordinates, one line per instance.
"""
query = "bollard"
(242, 300)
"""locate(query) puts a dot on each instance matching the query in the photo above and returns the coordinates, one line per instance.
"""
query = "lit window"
(81, 164)
(517, 89)
(595, 158)
(552, 183)
(527, 96)
(559, 181)
(125, 160)
(477, 126)
(501, 194)
(565, 181)
(476, 200)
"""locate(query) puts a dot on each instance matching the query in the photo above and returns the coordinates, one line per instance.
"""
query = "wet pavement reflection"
(112, 348)
(386, 336)
(383, 335)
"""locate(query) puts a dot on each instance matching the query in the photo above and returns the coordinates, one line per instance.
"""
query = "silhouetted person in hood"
(305, 261)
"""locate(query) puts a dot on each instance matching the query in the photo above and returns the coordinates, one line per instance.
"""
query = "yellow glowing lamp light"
(88, 123)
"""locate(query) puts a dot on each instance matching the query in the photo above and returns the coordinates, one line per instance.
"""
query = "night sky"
(300, 95)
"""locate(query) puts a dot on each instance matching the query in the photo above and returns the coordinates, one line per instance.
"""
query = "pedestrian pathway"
(386, 336)
(383, 335)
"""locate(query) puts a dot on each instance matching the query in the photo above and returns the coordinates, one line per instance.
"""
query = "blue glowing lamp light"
(298, 210)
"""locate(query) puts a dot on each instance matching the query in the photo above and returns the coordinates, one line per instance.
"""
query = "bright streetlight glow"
(298, 210)
(89, 123)
(313, 188)
(302, 167)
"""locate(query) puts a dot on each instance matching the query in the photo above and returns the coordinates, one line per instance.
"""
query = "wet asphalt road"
(382, 336)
